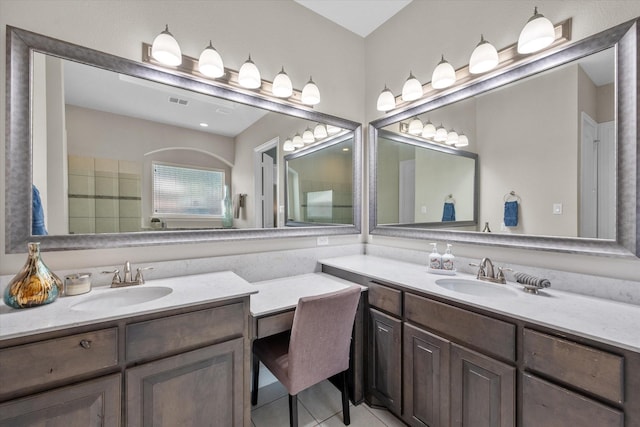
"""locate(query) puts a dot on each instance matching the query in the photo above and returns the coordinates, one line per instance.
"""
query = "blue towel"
(511, 214)
(37, 214)
(449, 212)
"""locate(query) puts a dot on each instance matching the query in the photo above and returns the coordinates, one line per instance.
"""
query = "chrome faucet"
(487, 272)
(117, 282)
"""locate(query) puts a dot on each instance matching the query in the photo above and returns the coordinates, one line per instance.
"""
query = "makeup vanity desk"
(273, 306)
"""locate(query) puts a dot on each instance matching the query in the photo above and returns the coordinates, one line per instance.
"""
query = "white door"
(588, 218)
(407, 192)
(267, 191)
(606, 181)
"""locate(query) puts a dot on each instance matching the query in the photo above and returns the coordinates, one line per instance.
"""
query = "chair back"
(321, 337)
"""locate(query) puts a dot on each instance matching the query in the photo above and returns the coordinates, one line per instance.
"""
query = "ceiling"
(358, 16)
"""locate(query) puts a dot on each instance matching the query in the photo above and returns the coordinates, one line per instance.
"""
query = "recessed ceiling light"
(345, 149)
(204, 125)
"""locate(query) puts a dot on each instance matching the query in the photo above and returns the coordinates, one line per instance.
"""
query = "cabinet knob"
(85, 344)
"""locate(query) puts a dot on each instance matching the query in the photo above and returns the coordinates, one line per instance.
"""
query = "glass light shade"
(210, 63)
(165, 49)
(463, 141)
(537, 34)
(288, 145)
(452, 138)
(320, 131)
(297, 141)
(386, 100)
(332, 130)
(249, 75)
(483, 58)
(412, 89)
(415, 126)
(310, 93)
(441, 134)
(282, 87)
(443, 76)
(307, 136)
(429, 130)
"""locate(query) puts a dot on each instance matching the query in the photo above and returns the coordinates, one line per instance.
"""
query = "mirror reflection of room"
(549, 137)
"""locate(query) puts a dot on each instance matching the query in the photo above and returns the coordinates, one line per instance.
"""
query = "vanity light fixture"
(332, 130)
(412, 88)
(441, 134)
(320, 131)
(307, 136)
(310, 93)
(443, 75)
(165, 49)
(210, 62)
(297, 141)
(452, 137)
(282, 87)
(288, 145)
(483, 58)
(428, 130)
(249, 75)
(537, 34)
(415, 126)
(463, 141)
(386, 100)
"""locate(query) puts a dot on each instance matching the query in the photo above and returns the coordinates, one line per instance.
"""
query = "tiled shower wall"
(104, 195)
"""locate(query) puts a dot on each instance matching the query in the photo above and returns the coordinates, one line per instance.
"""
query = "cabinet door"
(87, 404)
(482, 390)
(384, 364)
(199, 388)
(425, 400)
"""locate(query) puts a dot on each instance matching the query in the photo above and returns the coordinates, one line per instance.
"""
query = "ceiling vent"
(174, 100)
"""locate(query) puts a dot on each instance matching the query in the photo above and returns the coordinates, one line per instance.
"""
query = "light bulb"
(412, 88)
(429, 130)
(443, 75)
(415, 126)
(165, 49)
(307, 136)
(537, 34)
(249, 75)
(452, 138)
(483, 58)
(310, 93)
(297, 141)
(386, 100)
(441, 134)
(210, 63)
(288, 145)
(332, 130)
(463, 141)
(320, 131)
(282, 87)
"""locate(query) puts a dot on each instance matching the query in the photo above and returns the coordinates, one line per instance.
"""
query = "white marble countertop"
(602, 320)
(61, 314)
(282, 294)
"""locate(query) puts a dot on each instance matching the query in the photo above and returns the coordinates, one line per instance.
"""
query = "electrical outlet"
(323, 240)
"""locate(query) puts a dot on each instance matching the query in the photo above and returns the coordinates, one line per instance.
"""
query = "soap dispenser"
(435, 259)
(447, 259)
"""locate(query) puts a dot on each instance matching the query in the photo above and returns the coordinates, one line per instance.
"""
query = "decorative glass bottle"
(227, 209)
(34, 285)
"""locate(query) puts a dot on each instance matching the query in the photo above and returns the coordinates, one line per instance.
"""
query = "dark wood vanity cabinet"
(384, 360)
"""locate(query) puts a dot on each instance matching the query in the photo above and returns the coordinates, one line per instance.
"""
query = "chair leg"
(256, 373)
(293, 410)
(346, 418)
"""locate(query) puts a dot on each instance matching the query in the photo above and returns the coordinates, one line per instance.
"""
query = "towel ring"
(450, 198)
(512, 197)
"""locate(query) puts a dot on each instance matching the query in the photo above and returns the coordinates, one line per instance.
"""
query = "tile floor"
(319, 405)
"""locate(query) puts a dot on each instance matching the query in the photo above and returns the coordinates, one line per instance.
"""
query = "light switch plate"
(557, 208)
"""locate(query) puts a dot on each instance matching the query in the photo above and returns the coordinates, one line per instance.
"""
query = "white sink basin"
(113, 299)
(476, 287)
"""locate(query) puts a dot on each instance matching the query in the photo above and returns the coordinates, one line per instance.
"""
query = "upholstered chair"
(316, 349)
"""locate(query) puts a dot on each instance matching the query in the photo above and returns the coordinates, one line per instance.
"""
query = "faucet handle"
(116, 276)
(139, 277)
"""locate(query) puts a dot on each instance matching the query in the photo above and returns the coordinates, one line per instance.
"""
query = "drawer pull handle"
(380, 328)
(85, 344)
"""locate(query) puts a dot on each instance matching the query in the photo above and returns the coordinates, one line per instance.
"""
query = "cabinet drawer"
(25, 366)
(548, 405)
(491, 336)
(171, 334)
(271, 325)
(385, 298)
(584, 367)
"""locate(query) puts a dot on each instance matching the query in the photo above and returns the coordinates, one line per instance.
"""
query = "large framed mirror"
(555, 137)
(120, 153)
